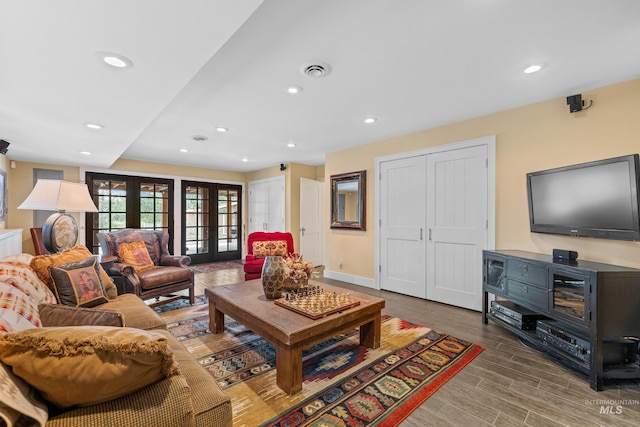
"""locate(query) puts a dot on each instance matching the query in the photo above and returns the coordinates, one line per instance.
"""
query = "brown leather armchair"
(170, 274)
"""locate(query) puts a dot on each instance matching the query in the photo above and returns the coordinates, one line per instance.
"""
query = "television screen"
(596, 199)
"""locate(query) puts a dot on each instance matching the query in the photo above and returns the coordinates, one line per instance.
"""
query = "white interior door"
(311, 209)
(266, 205)
(457, 221)
(402, 225)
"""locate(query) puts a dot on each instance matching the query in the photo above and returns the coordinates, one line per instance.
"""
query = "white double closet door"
(433, 219)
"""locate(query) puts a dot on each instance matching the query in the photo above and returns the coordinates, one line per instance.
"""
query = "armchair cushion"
(156, 277)
(136, 255)
(78, 283)
(86, 365)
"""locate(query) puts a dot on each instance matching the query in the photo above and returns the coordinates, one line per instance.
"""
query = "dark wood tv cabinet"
(599, 303)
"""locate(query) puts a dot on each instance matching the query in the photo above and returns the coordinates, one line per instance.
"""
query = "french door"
(211, 221)
(125, 201)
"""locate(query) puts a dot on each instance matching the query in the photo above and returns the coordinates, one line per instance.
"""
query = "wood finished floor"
(506, 385)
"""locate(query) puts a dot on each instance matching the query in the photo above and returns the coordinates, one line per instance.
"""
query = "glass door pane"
(196, 219)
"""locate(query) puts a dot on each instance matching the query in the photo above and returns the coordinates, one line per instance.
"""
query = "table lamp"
(60, 231)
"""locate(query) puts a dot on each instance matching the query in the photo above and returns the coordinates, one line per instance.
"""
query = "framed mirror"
(348, 200)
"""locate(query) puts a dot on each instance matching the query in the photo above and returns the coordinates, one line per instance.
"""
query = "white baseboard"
(349, 278)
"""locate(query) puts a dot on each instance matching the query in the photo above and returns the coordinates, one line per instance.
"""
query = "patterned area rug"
(344, 383)
(181, 303)
(212, 266)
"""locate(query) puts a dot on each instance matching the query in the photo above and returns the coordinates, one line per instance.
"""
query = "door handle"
(421, 234)
(302, 230)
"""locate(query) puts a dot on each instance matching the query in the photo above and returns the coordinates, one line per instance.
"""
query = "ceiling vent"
(316, 69)
(199, 138)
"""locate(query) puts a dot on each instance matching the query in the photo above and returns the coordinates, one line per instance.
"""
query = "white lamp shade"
(62, 196)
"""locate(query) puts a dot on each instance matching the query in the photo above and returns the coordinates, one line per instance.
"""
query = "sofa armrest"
(175, 260)
(64, 315)
(250, 258)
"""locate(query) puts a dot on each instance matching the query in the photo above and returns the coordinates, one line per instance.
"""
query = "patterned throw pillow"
(24, 278)
(18, 311)
(78, 283)
(269, 248)
(41, 264)
(86, 365)
(135, 254)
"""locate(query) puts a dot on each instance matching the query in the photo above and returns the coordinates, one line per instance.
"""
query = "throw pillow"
(18, 311)
(41, 264)
(63, 315)
(78, 283)
(269, 248)
(135, 254)
(24, 278)
(86, 365)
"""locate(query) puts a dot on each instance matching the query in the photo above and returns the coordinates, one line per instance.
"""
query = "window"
(129, 202)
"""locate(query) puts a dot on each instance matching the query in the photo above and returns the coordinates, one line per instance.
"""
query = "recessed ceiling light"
(244, 159)
(291, 144)
(221, 129)
(184, 150)
(370, 120)
(294, 90)
(532, 69)
(93, 125)
(116, 60)
(86, 153)
(199, 138)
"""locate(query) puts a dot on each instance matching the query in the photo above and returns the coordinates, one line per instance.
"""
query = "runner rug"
(344, 383)
(214, 266)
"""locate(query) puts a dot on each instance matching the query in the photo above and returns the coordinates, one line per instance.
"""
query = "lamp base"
(59, 232)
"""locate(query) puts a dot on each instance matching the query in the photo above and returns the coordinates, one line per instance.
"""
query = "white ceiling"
(199, 64)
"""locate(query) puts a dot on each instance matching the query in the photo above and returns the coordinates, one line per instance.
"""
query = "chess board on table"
(315, 303)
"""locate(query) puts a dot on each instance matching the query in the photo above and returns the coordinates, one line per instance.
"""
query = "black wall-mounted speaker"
(4, 146)
(575, 103)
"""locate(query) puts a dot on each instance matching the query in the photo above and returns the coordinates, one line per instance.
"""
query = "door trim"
(489, 141)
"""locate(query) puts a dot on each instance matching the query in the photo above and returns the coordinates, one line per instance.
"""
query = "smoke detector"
(316, 69)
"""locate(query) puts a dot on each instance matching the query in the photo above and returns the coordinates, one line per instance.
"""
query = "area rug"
(344, 383)
(213, 266)
(181, 303)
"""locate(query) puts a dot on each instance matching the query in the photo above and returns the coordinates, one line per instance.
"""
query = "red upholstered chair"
(253, 265)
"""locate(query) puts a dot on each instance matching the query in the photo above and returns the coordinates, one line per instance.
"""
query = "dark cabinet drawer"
(532, 296)
(533, 274)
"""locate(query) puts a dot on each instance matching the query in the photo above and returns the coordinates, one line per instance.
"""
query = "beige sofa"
(190, 398)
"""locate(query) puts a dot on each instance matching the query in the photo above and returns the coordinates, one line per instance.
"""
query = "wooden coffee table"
(287, 330)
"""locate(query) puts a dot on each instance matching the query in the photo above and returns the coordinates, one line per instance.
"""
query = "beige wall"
(20, 185)
(20, 182)
(530, 138)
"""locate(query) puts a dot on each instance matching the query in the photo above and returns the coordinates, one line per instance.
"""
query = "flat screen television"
(596, 199)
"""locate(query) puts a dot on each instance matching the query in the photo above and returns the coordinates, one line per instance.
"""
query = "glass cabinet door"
(569, 296)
